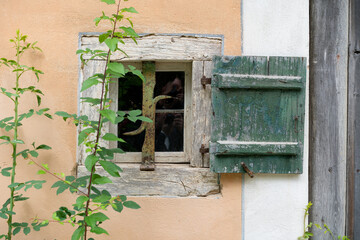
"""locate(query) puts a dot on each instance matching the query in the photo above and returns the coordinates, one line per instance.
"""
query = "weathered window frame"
(168, 179)
(160, 157)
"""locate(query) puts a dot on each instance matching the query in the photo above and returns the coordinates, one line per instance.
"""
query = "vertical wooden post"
(353, 154)
(328, 113)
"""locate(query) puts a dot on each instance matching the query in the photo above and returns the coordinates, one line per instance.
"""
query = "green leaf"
(98, 230)
(129, 31)
(6, 138)
(137, 72)
(7, 119)
(16, 230)
(90, 161)
(48, 115)
(84, 134)
(103, 37)
(97, 179)
(117, 68)
(34, 153)
(118, 206)
(5, 171)
(19, 198)
(92, 219)
(78, 233)
(61, 187)
(104, 197)
(41, 111)
(38, 98)
(80, 201)
(131, 204)
(17, 141)
(108, 2)
(65, 115)
(133, 119)
(40, 172)
(111, 168)
(134, 113)
(112, 43)
(13, 185)
(112, 137)
(3, 215)
(26, 230)
(144, 119)
(43, 146)
(89, 83)
(109, 114)
(130, 9)
(123, 198)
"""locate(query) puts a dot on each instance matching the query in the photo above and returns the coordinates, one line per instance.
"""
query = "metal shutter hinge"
(204, 81)
(203, 149)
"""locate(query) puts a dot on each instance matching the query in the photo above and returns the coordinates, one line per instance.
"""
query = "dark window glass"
(169, 119)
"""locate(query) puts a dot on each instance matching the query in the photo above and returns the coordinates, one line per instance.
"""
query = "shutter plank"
(258, 114)
(257, 81)
(255, 148)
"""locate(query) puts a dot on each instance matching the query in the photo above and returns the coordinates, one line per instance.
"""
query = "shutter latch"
(247, 170)
(204, 81)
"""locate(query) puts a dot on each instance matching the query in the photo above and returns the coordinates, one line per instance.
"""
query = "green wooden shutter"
(258, 114)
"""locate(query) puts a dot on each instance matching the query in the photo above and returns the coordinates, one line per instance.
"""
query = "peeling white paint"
(273, 205)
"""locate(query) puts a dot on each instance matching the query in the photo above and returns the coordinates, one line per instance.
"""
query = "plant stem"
(104, 92)
(58, 178)
(14, 154)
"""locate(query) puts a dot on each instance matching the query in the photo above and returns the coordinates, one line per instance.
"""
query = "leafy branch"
(12, 124)
(87, 214)
(307, 227)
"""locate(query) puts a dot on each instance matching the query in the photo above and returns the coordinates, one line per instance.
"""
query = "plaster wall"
(56, 25)
(274, 204)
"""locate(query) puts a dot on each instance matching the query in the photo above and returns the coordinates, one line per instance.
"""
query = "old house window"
(183, 123)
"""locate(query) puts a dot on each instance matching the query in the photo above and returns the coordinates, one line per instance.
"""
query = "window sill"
(168, 180)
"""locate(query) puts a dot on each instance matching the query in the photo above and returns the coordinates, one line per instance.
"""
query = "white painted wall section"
(273, 205)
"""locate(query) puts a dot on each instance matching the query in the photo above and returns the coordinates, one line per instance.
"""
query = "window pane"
(169, 132)
(170, 84)
(130, 93)
(169, 119)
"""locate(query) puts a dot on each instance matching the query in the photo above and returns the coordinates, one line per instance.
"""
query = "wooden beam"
(168, 180)
(328, 114)
(155, 47)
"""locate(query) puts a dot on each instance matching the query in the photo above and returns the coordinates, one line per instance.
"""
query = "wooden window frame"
(192, 179)
(160, 157)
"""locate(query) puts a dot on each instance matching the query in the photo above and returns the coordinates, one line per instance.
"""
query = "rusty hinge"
(204, 81)
(203, 149)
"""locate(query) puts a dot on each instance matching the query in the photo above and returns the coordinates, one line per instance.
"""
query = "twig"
(54, 175)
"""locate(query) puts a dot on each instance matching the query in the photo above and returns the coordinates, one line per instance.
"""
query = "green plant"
(307, 234)
(88, 211)
(11, 125)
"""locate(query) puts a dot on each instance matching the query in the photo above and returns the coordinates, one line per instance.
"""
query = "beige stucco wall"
(56, 25)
